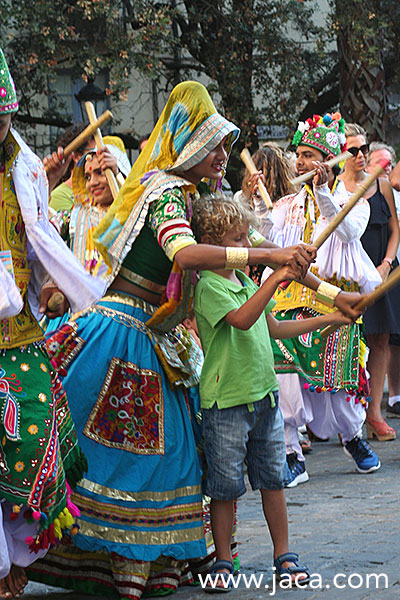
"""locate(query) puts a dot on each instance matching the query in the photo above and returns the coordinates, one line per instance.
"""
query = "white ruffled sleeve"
(264, 216)
(10, 299)
(353, 226)
(48, 255)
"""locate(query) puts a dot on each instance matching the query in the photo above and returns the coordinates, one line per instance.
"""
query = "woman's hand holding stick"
(248, 161)
(112, 181)
(85, 134)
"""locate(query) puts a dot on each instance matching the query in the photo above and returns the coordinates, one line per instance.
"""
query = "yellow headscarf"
(187, 130)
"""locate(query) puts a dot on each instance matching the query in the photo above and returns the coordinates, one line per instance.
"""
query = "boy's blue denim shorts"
(235, 435)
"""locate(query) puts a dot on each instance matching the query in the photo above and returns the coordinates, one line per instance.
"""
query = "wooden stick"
(120, 179)
(330, 163)
(112, 182)
(248, 161)
(370, 299)
(86, 133)
(338, 218)
(55, 301)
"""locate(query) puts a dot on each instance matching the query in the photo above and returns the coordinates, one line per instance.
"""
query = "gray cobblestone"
(339, 522)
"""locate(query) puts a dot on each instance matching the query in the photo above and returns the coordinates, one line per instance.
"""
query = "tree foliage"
(269, 61)
(367, 37)
(83, 36)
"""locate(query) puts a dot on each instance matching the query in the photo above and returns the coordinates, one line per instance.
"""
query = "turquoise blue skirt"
(141, 497)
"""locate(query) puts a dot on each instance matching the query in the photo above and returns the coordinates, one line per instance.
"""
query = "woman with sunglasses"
(380, 240)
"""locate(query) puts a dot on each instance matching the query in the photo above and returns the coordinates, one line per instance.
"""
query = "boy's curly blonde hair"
(217, 214)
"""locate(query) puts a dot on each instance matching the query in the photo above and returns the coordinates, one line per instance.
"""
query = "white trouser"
(13, 548)
(332, 414)
(295, 413)
(327, 414)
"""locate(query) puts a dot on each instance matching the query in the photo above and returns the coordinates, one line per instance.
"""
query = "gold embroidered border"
(119, 317)
(127, 446)
(118, 298)
(129, 513)
(101, 490)
(153, 538)
(128, 300)
(152, 286)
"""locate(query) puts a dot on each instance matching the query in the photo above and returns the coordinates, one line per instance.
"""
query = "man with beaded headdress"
(38, 443)
(322, 382)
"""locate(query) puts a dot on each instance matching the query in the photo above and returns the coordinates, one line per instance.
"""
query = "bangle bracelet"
(326, 293)
(388, 260)
(236, 258)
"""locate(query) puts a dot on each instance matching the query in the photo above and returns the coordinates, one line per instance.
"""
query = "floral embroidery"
(19, 466)
(43, 367)
(129, 412)
(33, 429)
(64, 345)
(24, 367)
(42, 397)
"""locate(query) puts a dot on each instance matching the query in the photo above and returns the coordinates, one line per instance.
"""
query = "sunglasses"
(354, 150)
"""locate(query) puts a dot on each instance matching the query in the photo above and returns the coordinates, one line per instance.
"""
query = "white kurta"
(48, 256)
(341, 255)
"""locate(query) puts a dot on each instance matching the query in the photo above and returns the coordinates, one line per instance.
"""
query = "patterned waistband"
(146, 284)
(128, 300)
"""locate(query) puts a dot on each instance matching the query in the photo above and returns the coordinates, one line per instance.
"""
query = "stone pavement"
(340, 522)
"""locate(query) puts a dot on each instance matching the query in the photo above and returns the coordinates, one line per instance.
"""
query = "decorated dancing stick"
(248, 161)
(55, 301)
(86, 133)
(330, 163)
(370, 299)
(112, 182)
(362, 188)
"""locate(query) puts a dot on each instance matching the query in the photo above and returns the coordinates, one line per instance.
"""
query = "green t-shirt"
(62, 197)
(238, 365)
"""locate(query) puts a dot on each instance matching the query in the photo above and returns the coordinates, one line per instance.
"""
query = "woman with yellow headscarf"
(132, 369)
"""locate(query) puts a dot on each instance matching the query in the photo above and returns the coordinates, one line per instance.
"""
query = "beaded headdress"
(8, 97)
(324, 133)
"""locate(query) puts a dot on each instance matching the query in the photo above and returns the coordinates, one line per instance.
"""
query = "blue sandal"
(216, 576)
(292, 570)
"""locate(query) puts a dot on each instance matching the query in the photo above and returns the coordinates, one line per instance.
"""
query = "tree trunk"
(363, 98)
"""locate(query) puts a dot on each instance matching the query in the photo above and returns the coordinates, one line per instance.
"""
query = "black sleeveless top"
(384, 315)
(376, 236)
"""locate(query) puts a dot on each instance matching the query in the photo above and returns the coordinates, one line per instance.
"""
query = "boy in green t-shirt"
(238, 386)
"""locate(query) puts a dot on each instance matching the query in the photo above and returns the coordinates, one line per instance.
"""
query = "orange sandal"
(379, 430)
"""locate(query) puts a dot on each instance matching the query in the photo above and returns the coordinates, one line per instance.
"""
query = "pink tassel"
(73, 509)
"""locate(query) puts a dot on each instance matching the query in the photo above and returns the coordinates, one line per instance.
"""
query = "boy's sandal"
(215, 575)
(292, 570)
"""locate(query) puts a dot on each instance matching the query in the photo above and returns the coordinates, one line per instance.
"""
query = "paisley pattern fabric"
(38, 442)
(330, 362)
